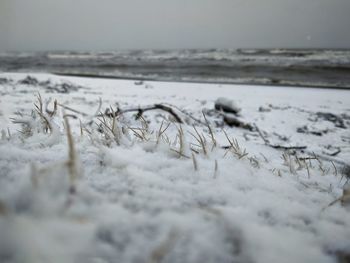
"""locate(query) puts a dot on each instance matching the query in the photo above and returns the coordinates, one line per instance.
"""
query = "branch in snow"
(276, 146)
(141, 110)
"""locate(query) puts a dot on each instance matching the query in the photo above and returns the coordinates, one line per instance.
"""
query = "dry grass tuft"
(161, 132)
(235, 148)
(72, 156)
(210, 131)
(201, 140)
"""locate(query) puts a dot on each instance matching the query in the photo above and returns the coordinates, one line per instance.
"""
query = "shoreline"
(295, 85)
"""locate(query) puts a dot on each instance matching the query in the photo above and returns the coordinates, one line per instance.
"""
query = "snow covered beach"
(152, 190)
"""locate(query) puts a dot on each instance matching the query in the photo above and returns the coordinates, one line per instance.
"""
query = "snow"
(143, 200)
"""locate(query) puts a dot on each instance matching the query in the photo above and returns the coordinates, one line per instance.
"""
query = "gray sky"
(37, 25)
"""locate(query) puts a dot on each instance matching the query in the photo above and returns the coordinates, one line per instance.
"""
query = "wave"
(328, 67)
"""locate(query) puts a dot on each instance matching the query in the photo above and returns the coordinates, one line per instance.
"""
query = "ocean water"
(320, 68)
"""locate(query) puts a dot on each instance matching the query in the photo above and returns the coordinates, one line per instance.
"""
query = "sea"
(284, 67)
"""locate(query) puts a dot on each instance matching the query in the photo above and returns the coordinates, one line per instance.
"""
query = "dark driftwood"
(235, 122)
(185, 113)
(140, 111)
(287, 147)
(335, 153)
(278, 146)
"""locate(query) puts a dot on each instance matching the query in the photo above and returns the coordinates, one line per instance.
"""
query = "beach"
(111, 170)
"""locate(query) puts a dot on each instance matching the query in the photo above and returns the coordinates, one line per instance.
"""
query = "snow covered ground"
(154, 190)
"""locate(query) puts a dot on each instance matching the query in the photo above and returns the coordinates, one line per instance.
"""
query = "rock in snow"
(227, 105)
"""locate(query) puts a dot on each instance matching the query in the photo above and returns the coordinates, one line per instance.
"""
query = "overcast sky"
(38, 25)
